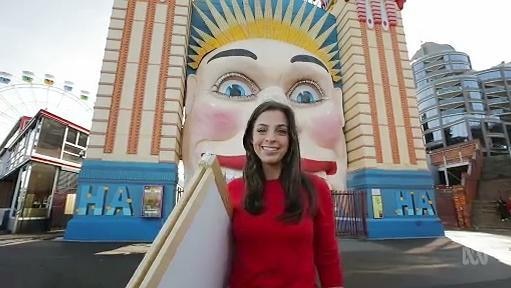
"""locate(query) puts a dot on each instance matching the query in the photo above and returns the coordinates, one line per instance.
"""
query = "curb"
(43, 236)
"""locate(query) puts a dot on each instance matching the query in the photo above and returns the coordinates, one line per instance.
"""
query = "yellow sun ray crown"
(216, 23)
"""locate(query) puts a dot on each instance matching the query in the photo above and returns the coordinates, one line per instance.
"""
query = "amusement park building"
(41, 154)
(226, 59)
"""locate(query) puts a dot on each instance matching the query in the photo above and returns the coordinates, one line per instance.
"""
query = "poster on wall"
(152, 201)
(377, 203)
(70, 204)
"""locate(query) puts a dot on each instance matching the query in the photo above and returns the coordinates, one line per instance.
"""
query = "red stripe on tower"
(391, 12)
(361, 10)
(376, 8)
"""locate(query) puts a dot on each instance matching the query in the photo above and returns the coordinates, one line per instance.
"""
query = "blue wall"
(409, 208)
(109, 201)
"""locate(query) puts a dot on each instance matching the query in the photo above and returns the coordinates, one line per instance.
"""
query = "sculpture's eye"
(236, 86)
(306, 92)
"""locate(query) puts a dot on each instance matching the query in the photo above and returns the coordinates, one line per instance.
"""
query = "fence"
(179, 193)
(349, 209)
(350, 213)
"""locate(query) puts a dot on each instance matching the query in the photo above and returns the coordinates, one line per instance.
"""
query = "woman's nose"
(270, 137)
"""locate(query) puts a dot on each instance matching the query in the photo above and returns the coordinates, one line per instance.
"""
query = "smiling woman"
(282, 223)
(285, 51)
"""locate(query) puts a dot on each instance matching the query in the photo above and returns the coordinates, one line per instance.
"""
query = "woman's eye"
(306, 92)
(235, 86)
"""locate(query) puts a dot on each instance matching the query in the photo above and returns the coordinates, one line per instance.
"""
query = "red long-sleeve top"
(270, 253)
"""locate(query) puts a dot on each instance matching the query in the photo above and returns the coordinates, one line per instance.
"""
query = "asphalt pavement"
(38, 261)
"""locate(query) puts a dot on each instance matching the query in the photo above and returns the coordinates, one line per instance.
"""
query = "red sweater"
(269, 253)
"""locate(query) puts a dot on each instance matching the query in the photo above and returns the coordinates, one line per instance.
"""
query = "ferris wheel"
(26, 94)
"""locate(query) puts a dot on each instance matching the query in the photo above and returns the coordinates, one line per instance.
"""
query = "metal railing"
(179, 193)
(350, 209)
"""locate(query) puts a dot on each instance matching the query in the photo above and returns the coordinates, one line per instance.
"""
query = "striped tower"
(386, 156)
(136, 130)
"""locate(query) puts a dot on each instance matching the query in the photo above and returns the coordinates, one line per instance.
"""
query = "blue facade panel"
(110, 199)
(408, 199)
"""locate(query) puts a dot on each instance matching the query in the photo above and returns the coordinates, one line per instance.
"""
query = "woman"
(283, 222)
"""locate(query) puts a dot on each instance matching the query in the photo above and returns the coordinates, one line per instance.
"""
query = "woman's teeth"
(269, 148)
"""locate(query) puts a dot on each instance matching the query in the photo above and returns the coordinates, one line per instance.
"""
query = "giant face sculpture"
(242, 66)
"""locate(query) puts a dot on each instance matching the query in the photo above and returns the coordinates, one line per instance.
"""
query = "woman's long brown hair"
(294, 181)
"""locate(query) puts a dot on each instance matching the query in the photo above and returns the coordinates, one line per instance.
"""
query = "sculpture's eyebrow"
(234, 52)
(308, 58)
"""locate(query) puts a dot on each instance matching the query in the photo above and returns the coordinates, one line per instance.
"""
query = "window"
(477, 106)
(420, 74)
(40, 185)
(490, 75)
(475, 95)
(449, 110)
(470, 84)
(494, 127)
(428, 103)
(459, 58)
(498, 143)
(72, 149)
(82, 141)
(71, 135)
(17, 153)
(433, 136)
(418, 66)
(73, 152)
(451, 119)
(421, 84)
(429, 114)
(426, 93)
(72, 158)
(448, 100)
(477, 131)
(51, 138)
(456, 134)
(430, 124)
(460, 66)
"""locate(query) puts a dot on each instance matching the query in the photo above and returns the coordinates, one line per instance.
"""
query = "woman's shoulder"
(236, 183)
(236, 187)
(318, 182)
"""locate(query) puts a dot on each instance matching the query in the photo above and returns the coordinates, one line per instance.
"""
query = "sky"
(66, 38)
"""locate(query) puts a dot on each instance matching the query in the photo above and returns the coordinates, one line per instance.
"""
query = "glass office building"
(457, 104)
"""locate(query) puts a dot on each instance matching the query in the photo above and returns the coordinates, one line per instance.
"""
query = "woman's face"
(270, 137)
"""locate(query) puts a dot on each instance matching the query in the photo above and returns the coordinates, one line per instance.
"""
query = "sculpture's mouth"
(308, 165)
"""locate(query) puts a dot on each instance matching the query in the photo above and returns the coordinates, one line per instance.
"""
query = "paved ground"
(36, 261)
(62, 264)
(419, 263)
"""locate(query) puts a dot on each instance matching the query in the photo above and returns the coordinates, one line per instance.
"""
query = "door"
(63, 199)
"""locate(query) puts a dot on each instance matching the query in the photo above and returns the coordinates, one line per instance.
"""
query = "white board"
(193, 247)
(202, 257)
